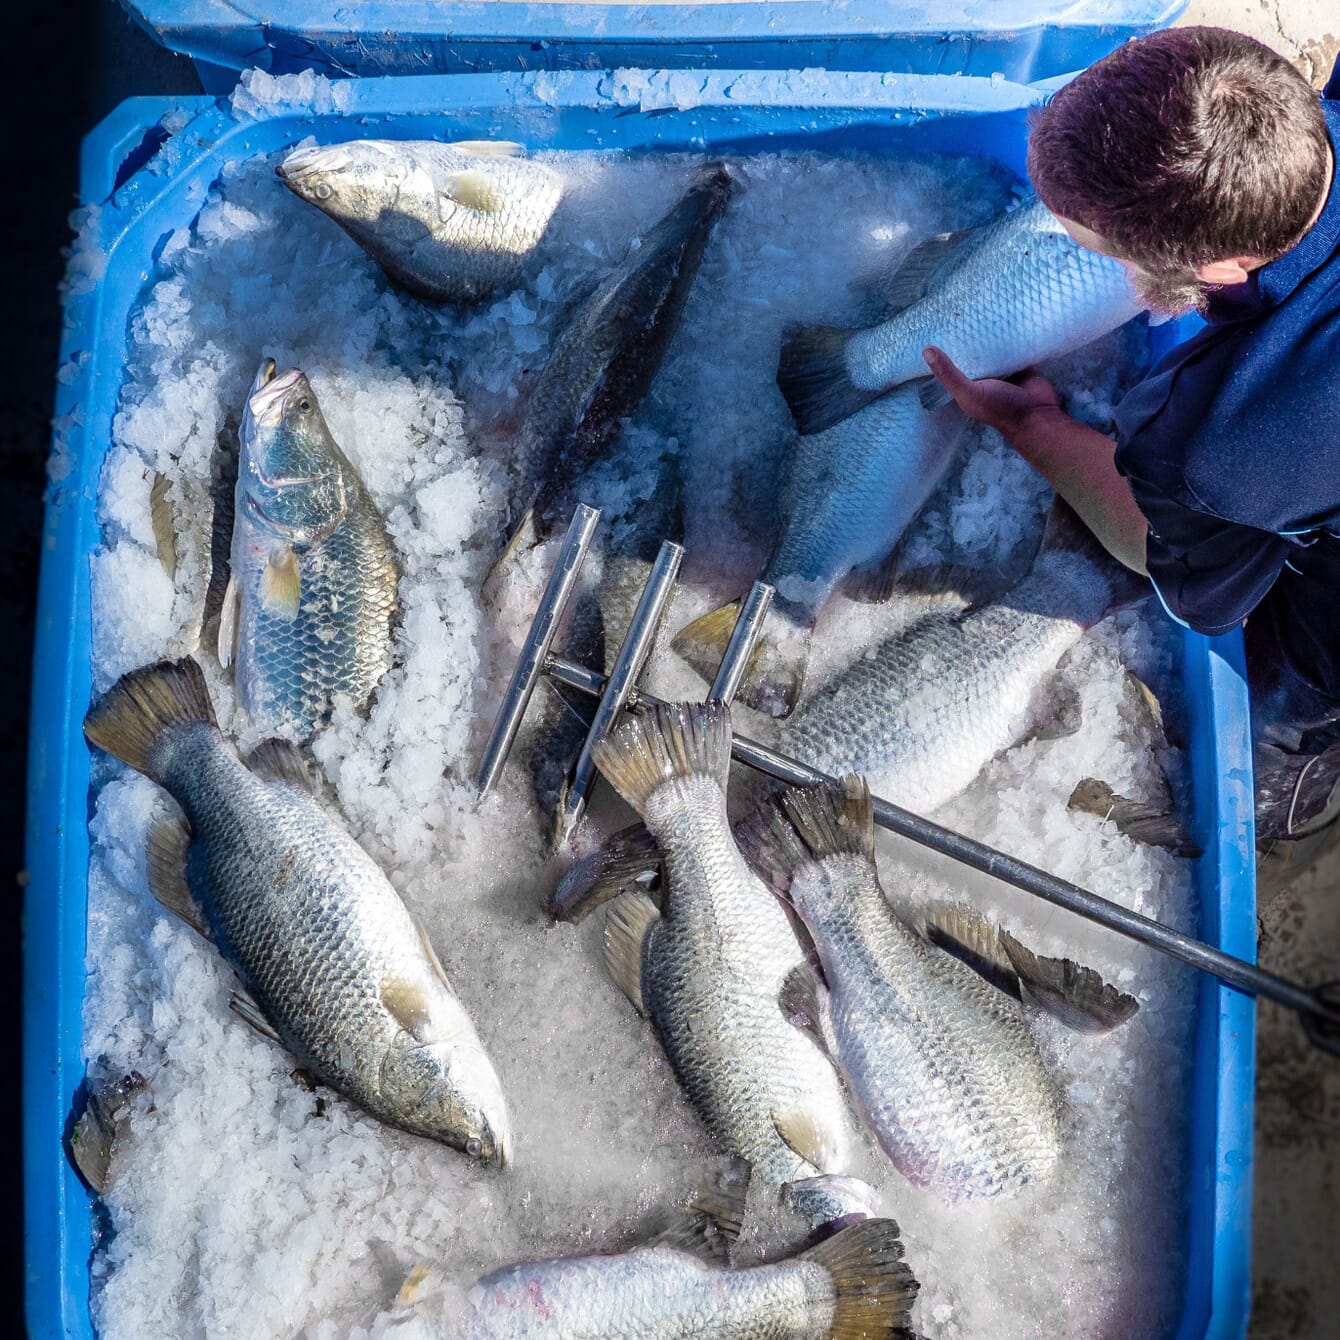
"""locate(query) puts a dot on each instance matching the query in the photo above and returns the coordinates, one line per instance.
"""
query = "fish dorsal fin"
(279, 760)
(281, 584)
(965, 933)
(925, 267)
(798, 1131)
(873, 583)
(165, 859)
(228, 622)
(163, 523)
(1068, 991)
(474, 190)
(407, 1004)
(247, 1010)
(433, 961)
(488, 148)
(631, 922)
(630, 857)
(712, 1220)
(1154, 825)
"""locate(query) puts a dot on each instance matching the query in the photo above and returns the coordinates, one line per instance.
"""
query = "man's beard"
(1177, 291)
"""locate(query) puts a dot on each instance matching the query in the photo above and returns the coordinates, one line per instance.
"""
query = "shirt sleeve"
(1209, 573)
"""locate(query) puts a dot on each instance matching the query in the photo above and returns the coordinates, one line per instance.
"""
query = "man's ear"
(1232, 271)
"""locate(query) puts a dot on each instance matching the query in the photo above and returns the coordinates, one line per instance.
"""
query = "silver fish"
(607, 357)
(948, 1078)
(333, 965)
(922, 713)
(854, 1283)
(311, 598)
(448, 222)
(709, 972)
(996, 299)
(849, 493)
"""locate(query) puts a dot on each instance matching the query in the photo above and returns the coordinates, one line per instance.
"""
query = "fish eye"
(304, 405)
(474, 1147)
(323, 190)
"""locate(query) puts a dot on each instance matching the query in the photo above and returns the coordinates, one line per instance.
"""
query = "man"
(1206, 164)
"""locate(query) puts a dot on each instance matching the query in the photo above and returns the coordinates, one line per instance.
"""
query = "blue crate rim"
(58, 1207)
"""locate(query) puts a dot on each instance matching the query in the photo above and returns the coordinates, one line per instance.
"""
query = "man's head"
(1194, 155)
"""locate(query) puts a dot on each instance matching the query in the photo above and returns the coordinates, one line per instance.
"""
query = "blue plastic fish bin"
(1020, 40)
(147, 182)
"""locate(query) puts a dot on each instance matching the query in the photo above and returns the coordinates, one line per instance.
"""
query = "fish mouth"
(303, 163)
(266, 404)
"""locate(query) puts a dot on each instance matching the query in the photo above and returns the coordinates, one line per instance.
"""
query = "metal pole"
(623, 675)
(1236, 972)
(530, 664)
(744, 636)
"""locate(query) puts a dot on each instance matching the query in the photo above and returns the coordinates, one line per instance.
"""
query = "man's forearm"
(1079, 462)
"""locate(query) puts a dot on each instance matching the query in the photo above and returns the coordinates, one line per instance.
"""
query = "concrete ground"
(1295, 1283)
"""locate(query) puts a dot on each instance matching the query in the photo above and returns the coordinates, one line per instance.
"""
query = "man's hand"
(1003, 405)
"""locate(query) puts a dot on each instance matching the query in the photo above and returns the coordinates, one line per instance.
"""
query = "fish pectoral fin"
(801, 1133)
(629, 858)
(712, 1220)
(924, 268)
(931, 393)
(873, 583)
(165, 860)
(1154, 825)
(228, 624)
(803, 999)
(629, 927)
(279, 760)
(1068, 991)
(488, 148)
(281, 584)
(433, 961)
(163, 523)
(246, 1009)
(407, 1004)
(474, 190)
(965, 933)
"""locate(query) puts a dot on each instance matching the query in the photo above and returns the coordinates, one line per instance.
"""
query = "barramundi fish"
(941, 1063)
(309, 611)
(709, 970)
(331, 962)
(995, 299)
(606, 358)
(450, 223)
(848, 495)
(923, 712)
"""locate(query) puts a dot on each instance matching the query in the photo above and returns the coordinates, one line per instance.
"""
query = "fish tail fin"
(776, 670)
(813, 374)
(144, 707)
(710, 1224)
(804, 824)
(875, 1287)
(671, 741)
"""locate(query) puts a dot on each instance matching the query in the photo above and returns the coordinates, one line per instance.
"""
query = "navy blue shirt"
(1231, 447)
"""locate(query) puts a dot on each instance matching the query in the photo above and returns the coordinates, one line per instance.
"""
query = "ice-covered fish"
(607, 357)
(332, 964)
(448, 222)
(853, 1284)
(848, 495)
(709, 970)
(921, 714)
(996, 299)
(947, 1076)
(311, 599)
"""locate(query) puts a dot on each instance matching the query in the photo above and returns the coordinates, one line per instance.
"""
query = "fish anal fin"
(281, 584)
(629, 928)
(1068, 991)
(162, 521)
(165, 860)
(629, 857)
(247, 1010)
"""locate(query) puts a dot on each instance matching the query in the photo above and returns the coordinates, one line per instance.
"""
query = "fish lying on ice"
(332, 964)
(849, 493)
(921, 714)
(450, 223)
(607, 357)
(941, 1064)
(709, 970)
(996, 299)
(311, 599)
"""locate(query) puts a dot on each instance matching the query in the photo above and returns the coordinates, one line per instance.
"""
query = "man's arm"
(1078, 461)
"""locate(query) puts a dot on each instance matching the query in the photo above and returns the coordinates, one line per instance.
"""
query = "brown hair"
(1188, 146)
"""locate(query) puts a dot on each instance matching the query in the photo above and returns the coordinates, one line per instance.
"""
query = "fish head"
(449, 1091)
(354, 182)
(291, 476)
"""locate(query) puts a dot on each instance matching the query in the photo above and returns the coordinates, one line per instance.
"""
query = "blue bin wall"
(1022, 40)
(736, 112)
